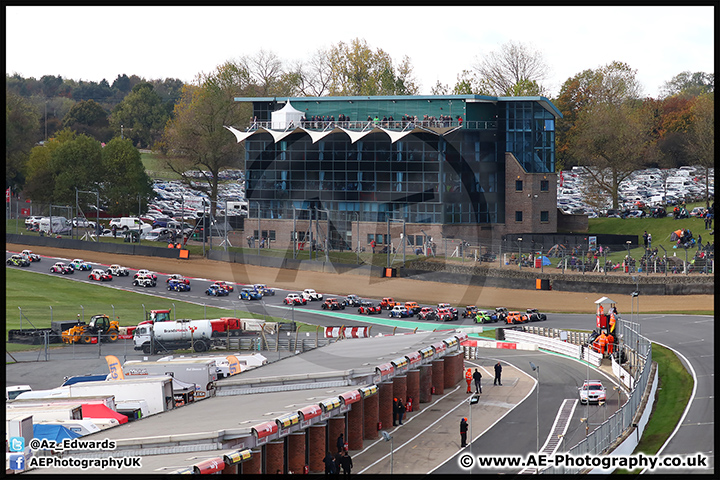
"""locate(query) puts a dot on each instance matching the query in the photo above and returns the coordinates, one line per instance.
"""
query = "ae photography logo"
(18, 462)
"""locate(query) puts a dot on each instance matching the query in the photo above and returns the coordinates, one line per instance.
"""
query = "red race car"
(368, 308)
(225, 285)
(100, 275)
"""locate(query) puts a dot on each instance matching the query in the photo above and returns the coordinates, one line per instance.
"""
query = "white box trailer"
(39, 413)
(107, 400)
(222, 364)
(156, 391)
(200, 371)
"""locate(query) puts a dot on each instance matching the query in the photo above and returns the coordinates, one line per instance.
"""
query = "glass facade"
(451, 175)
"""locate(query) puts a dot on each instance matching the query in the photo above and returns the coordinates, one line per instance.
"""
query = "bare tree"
(315, 74)
(515, 63)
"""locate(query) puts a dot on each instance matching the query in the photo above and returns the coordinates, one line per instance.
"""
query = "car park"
(368, 308)
(294, 299)
(80, 264)
(353, 301)
(18, 261)
(62, 267)
(250, 294)
(332, 304)
(143, 272)
(178, 286)
(33, 257)
(592, 391)
(216, 290)
(399, 311)
(177, 277)
(118, 271)
(427, 313)
(144, 281)
(312, 295)
(100, 275)
(534, 315)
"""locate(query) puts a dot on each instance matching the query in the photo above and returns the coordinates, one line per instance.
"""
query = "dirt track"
(400, 288)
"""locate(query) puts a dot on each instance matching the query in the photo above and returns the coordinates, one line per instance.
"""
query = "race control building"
(468, 167)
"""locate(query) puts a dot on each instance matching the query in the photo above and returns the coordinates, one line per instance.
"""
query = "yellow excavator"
(100, 325)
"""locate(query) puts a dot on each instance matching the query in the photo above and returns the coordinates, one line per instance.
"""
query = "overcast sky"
(92, 43)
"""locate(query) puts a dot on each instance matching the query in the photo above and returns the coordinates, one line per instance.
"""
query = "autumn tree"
(195, 137)
(515, 68)
(21, 133)
(701, 142)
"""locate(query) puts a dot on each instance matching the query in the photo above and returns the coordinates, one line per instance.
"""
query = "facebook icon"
(17, 461)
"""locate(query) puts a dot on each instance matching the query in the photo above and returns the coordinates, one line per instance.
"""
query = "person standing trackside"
(649, 240)
(340, 443)
(395, 411)
(463, 432)
(645, 239)
(498, 374)
(372, 245)
(329, 461)
(477, 376)
(400, 410)
(346, 462)
(468, 379)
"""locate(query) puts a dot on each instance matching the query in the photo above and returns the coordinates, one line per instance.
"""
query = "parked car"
(18, 260)
(29, 221)
(250, 294)
(178, 286)
(33, 257)
(592, 391)
(157, 235)
(697, 212)
(80, 264)
(118, 271)
(144, 281)
(217, 291)
(368, 308)
(312, 295)
(295, 299)
(535, 315)
(100, 275)
(81, 222)
(62, 267)
(399, 311)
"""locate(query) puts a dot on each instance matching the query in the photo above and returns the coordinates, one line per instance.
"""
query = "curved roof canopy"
(316, 136)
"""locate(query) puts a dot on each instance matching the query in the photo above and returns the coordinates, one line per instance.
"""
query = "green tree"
(195, 137)
(690, 84)
(88, 117)
(125, 182)
(141, 114)
(21, 133)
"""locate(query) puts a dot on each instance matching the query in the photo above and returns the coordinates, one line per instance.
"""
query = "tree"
(690, 84)
(141, 114)
(514, 64)
(315, 75)
(88, 117)
(125, 182)
(701, 144)
(613, 141)
(21, 133)
(196, 137)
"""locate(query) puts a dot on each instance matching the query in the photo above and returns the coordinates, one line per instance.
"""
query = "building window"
(518, 216)
(544, 185)
(518, 185)
(544, 216)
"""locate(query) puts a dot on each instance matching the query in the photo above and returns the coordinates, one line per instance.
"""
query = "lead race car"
(33, 257)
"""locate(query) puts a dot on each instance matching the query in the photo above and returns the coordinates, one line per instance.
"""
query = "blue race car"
(217, 291)
(80, 264)
(264, 289)
(250, 294)
(178, 286)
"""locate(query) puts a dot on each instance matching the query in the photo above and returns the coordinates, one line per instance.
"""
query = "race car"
(444, 315)
(501, 313)
(18, 261)
(223, 284)
(592, 391)
(399, 311)
(368, 308)
(118, 271)
(332, 304)
(453, 310)
(143, 272)
(353, 301)
(144, 281)
(217, 291)
(516, 317)
(294, 299)
(412, 307)
(310, 294)
(535, 315)
(264, 289)
(80, 264)
(179, 278)
(427, 313)
(178, 286)
(250, 294)
(100, 275)
(61, 267)
(34, 257)
(388, 303)
(483, 316)
(470, 311)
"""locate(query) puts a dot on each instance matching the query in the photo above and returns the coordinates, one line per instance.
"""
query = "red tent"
(98, 410)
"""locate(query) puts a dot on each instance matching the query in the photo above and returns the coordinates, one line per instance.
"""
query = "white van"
(60, 225)
(130, 223)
